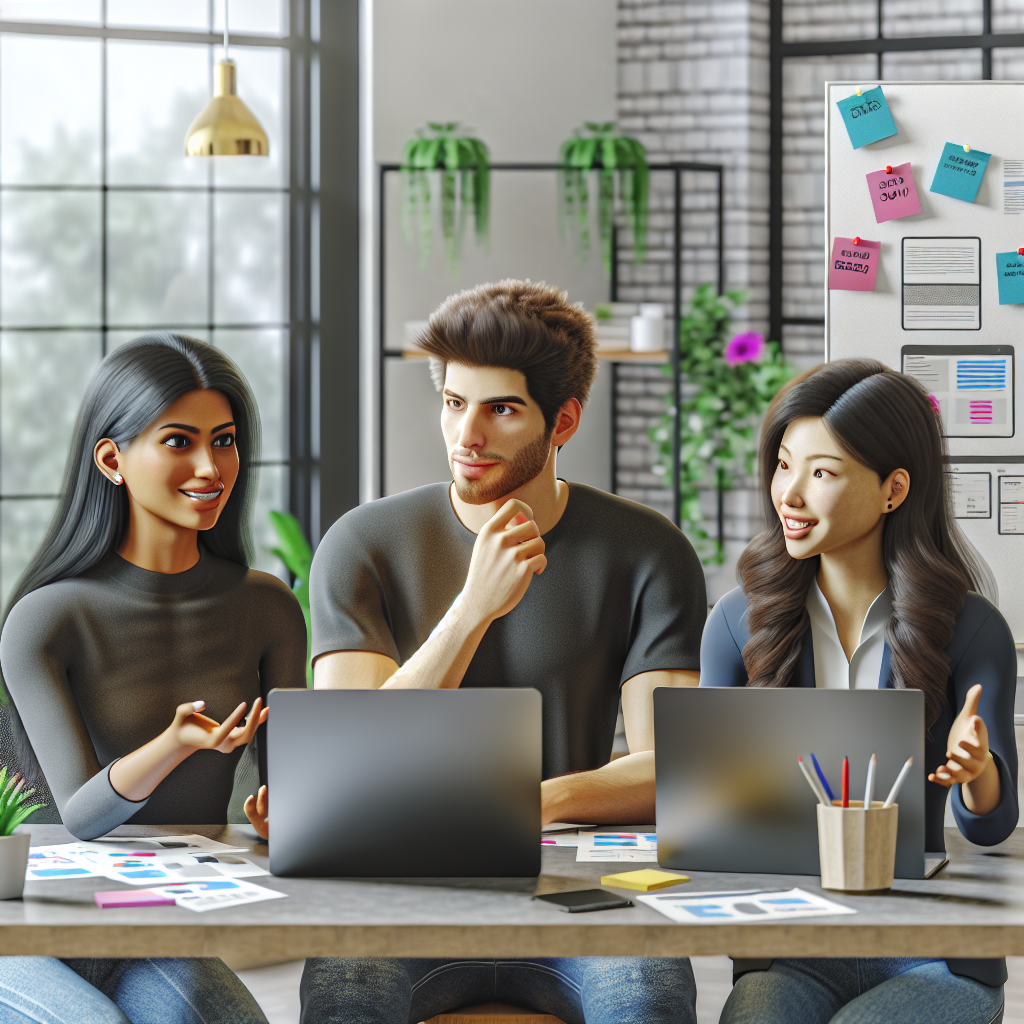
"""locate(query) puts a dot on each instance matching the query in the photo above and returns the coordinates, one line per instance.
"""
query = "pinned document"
(854, 264)
(1013, 187)
(960, 172)
(867, 117)
(942, 284)
(1011, 505)
(1010, 274)
(893, 193)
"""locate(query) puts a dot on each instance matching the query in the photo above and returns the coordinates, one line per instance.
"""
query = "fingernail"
(198, 705)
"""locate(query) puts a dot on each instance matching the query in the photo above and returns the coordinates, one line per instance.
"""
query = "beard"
(514, 473)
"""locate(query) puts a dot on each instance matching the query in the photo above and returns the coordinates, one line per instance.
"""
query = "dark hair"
(885, 421)
(518, 325)
(132, 386)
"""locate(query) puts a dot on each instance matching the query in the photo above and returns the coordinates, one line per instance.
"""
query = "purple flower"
(744, 348)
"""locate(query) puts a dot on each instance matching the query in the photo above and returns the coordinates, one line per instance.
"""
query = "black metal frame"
(778, 51)
(677, 169)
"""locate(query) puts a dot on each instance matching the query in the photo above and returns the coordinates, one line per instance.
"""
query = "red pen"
(846, 782)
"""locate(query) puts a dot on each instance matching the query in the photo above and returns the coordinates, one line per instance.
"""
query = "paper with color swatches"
(617, 846)
(893, 193)
(959, 172)
(867, 117)
(742, 907)
(1010, 273)
(853, 268)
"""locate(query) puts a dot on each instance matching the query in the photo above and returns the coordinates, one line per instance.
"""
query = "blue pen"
(821, 775)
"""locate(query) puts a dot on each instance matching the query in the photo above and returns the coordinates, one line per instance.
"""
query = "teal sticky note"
(1010, 271)
(867, 117)
(959, 173)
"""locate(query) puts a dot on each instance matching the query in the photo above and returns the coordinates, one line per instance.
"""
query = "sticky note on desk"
(646, 880)
(132, 898)
(853, 267)
(1010, 272)
(893, 193)
(959, 172)
(867, 117)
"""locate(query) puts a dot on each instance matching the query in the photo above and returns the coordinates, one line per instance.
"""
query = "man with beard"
(510, 576)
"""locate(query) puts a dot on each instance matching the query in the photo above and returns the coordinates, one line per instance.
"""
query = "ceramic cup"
(857, 847)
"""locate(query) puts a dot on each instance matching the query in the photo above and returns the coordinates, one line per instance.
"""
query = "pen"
(824, 781)
(895, 791)
(869, 786)
(846, 782)
(811, 781)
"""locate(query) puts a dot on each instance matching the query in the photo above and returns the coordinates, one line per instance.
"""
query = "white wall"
(522, 74)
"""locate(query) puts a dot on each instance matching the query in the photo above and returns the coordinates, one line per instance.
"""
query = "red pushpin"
(888, 169)
(1020, 252)
(856, 241)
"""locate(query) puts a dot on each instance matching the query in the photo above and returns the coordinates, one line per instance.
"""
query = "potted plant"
(465, 180)
(14, 811)
(596, 148)
(293, 549)
(730, 382)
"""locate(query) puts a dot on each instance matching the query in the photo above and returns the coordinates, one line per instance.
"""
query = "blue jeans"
(42, 990)
(591, 989)
(906, 990)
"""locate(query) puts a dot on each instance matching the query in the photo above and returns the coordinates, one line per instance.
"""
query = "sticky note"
(853, 267)
(1010, 271)
(867, 117)
(959, 173)
(893, 194)
(132, 898)
(643, 881)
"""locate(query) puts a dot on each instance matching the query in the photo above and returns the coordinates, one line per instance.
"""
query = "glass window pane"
(803, 20)
(1007, 16)
(249, 240)
(49, 110)
(158, 257)
(272, 494)
(944, 18)
(1008, 64)
(262, 16)
(22, 525)
(50, 258)
(154, 93)
(194, 14)
(117, 338)
(35, 430)
(262, 87)
(932, 65)
(263, 357)
(81, 12)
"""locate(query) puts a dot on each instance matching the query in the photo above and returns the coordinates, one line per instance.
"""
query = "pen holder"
(857, 847)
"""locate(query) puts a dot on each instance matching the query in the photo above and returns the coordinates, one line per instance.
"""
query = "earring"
(118, 479)
(890, 504)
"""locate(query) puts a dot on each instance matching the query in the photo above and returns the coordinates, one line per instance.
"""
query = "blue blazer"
(981, 651)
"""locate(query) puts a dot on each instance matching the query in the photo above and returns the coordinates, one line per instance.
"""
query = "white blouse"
(831, 669)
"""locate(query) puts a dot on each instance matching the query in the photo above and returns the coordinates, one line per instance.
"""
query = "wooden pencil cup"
(857, 847)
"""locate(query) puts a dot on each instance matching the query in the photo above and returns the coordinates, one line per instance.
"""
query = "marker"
(812, 782)
(824, 781)
(869, 785)
(846, 782)
(895, 791)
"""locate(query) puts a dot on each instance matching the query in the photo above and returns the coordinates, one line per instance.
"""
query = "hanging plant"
(464, 165)
(731, 383)
(596, 148)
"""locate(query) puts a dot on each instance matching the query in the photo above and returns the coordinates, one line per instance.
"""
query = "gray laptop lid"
(429, 783)
(730, 794)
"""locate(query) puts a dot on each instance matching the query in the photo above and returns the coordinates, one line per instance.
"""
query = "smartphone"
(585, 899)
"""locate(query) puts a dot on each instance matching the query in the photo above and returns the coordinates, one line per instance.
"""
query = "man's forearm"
(619, 793)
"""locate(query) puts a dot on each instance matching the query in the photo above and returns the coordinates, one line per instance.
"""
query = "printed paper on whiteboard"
(1013, 186)
(973, 385)
(972, 495)
(942, 284)
(1011, 505)
(743, 907)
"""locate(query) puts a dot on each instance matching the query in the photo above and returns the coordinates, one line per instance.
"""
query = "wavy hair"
(886, 421)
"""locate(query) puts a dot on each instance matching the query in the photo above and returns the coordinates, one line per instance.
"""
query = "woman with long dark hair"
(863, 580)
(138, 613)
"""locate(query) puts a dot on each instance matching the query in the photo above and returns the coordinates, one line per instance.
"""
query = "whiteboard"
(878, 324)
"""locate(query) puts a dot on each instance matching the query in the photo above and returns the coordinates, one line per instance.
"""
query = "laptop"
(731, 796)
(408, 783)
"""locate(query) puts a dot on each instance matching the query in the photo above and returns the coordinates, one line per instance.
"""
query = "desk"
(977, 899)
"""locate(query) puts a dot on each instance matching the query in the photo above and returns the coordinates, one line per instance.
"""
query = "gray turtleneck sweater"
(97, 665)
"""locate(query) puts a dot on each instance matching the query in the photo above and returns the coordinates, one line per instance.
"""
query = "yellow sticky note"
(643, 881)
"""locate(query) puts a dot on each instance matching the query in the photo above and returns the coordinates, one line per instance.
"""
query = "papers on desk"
(617, 846)
(740, 907)
(203, 896)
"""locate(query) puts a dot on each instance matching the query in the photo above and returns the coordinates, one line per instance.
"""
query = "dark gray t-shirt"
(97, 665)
(623, 593)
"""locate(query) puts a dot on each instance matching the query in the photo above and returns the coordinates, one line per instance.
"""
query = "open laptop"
(413, 783)
(730, 794)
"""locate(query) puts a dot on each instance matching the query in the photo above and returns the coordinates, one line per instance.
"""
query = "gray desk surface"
(977, 901)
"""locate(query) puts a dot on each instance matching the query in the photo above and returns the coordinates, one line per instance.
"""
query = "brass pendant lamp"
(226, 126)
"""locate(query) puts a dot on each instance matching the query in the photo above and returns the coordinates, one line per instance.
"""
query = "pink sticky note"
(853, 267)
(131, 898)
(893, 194)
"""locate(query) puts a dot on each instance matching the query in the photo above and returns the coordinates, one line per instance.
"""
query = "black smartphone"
(585, 899)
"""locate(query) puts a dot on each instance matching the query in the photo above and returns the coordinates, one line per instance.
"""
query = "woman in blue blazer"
(863, 579)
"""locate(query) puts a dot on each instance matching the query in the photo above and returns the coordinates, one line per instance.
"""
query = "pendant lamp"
(226, 126)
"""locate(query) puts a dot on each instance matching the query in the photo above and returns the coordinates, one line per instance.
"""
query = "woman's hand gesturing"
(968, 759)
(197, 731)
(257, 810)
